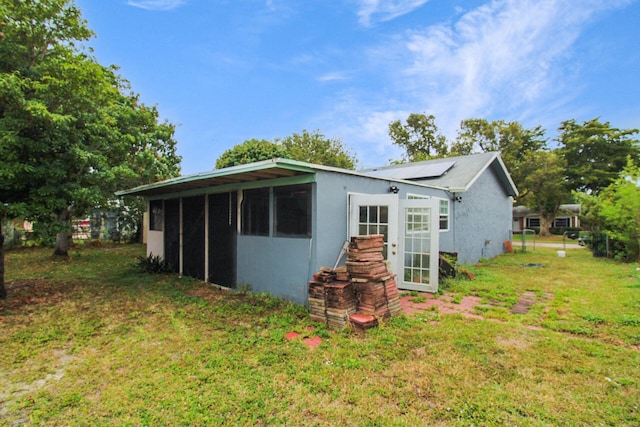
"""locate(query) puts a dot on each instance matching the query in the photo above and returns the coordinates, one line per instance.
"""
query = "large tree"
(71, 131)
(596, 153)
(315, 147)
(537, 173)
(546, 186)
(251, 150)
(514, 142)
(419, 136)
(310, 147)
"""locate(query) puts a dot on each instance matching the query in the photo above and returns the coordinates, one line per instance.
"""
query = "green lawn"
(91, 341)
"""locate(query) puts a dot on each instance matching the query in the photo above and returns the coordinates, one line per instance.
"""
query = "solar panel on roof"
(416, 171)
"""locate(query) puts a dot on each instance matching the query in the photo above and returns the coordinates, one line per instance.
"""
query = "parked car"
(573, 234)
(584, 238)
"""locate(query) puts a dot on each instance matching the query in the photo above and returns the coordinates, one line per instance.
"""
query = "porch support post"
(181, 262)
(206, 238)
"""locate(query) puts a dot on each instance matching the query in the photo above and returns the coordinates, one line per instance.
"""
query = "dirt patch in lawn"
(524, 303)
(34, 292)
(447, 304)
(442, 303)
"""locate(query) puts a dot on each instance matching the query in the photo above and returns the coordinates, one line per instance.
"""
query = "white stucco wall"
(155, 243)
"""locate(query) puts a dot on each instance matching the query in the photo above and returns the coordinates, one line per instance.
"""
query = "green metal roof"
(259, 171)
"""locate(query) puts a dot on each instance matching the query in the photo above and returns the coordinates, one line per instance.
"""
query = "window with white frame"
(443, 210)
(444, 215)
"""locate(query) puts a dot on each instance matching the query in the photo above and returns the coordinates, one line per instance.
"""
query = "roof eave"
(220, 173)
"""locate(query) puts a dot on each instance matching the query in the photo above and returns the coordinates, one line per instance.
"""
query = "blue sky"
(225, 71)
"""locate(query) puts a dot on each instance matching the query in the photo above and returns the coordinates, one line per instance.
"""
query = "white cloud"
(335, 76)
(385, 10)
(507, 59)
(156, 4)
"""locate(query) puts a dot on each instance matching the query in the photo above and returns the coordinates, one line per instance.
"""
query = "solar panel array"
(415, 171)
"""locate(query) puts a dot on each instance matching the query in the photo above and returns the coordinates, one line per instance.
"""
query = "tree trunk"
(545, 225)
(3, 290)
(62, 238)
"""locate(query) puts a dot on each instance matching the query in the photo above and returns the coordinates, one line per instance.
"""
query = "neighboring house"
(525, 218)
(15, 231)
(272, 224)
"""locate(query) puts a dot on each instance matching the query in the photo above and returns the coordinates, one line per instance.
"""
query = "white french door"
(376, 214)
(419, 244)
(410, 230)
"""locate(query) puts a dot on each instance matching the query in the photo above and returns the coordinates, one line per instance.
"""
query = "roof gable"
(456, 174)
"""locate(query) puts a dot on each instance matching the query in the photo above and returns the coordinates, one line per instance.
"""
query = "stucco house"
(272, 224)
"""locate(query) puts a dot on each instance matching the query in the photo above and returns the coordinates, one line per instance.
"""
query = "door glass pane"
(373, 214)
(363, 214)
(384, 214)
(374, 219)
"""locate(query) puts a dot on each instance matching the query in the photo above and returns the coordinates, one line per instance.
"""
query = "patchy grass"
(92, 341)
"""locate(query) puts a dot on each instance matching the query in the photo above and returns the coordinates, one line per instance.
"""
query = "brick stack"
(317, 305)
(340, 304)
(331, 297)
(375, 286)
(364, 286)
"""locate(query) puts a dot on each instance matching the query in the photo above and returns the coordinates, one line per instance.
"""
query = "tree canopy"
(71, 130)
(616, 209)
(419, 136)
(546, 187)
(311, 147)
(315, 147)
(252, 150)
(596, 153)
(514, 142)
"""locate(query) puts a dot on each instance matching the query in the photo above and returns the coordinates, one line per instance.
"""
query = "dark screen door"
(223, 220)
(193, 237)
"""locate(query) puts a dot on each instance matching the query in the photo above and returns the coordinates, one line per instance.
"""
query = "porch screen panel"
(172, 233)
(223, 219)
(193, 238)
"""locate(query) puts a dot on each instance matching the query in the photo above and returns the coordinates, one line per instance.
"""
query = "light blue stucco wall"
(333, 190)
(483, 219)
(276, 265)
(283, 266)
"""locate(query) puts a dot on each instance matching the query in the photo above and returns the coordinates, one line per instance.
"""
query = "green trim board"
(276, 182)
(259, 171)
